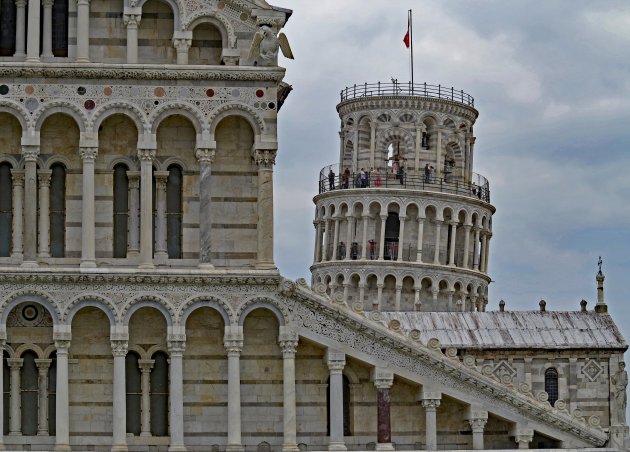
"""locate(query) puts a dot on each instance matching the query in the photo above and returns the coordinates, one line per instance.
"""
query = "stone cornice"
(140, 72)
(407, 102)
(413, 351)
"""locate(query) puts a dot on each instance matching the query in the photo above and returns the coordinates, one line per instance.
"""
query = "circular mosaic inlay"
(31, 104)
(107, 91)
(4, 89)
(260, 93)
(81, 90)
(29, 312)
(272, 105)
(29, 90)
(89, 104)
(236, 93)
(221, 5)
(159, 92)
(210, 92)
(244, 16)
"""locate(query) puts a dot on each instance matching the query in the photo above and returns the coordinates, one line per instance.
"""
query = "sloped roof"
(513, 329)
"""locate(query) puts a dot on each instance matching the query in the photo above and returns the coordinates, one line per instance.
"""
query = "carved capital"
(477, 425)
(17, 176)
(182, 44)
(134, 179)
(146, 155)
(43, 365)
(161, 178)
(382, 378)
(119, 348)
(48, 3)
(205, 155)
(30, 153)
(131, 20)
(430, 404)
(146, 365)
(265, 158)
(43, 176)
(234, 347)
(20, 3)
(15, 363)
(88, 153)
(336, 367)
(83, 2)
(176, 346)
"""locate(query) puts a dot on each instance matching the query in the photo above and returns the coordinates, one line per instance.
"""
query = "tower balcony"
(408, 89)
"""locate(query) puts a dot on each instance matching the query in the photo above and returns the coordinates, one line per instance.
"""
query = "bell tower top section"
(402, 221)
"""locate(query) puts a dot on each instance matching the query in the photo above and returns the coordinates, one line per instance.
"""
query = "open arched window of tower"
(265, 45)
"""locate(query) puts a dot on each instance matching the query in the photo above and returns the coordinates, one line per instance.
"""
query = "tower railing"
(406, 89)
(478, 186)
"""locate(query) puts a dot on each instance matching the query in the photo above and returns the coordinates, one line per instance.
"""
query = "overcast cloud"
(552, 83)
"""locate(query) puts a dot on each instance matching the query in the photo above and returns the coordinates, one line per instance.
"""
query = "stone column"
(83, 31)
(401, 238)
(438, 165)
(2, 413)
(134, 211)
(467, 228)
(487, 252)
(336, 240)
(326, 240)
(381, 245)
(30, 154)
(119, 437)
(318, 241)
(176, 347)
(336, 361)
(18, 220)
(160, 254)
(361, 292)
(62, 344)
(205, 158)
(131, 20)
(483, 252)
(436, 254)
(145, 366)
(265, 159)
(451, 251)
(47, 29)
(32, 43)
(182, 45)
(233, 342)
(146, 157)
(372, 142)
(44, 213)
(349, 238)
(42, 385)
(20, 27)
(364, 250)
(288, 341)
(88, 236)
(477, 419)
(523, 436)
(476, 250)
(420, 239)
(379, 297)
(430, 403)
(398, 295)
(15, 422)
(383, 380)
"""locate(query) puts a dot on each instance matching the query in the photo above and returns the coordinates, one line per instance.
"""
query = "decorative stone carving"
(265, 158)
(119, 347)
(205, 155)
(619, 383)
(592, 370)
(504, 372)
(265, 45)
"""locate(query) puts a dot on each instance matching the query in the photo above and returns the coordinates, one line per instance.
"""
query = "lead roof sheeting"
(514, 329)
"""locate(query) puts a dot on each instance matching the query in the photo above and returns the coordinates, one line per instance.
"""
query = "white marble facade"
(140, 305)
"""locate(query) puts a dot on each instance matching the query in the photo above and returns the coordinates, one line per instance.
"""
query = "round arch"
(29, 347)
(17, 111)
(144, 301)
(176, 109)
(237, 109)
(207, 301)
(54, 159)
(22, 296)
(176, 6)
(93, 301)
(67, 108)
(228, 36)
(174, 161)
(131, 164)
(119, 108)
(6, 158)
(252, 305)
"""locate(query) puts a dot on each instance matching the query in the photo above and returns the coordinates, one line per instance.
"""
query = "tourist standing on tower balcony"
(401, 175)
(427, 173)
(364, 178)
(372, 243)
(331, 179)
(345, 178)
(377, 178)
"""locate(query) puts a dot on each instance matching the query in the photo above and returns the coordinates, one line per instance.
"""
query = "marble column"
(145, 366)
(436, 254)
(476, 250)
(336, 361)
(288, 341)
(318, 241)
(335, 250)
(477, 426)
(487, 252)
(451, 251)
(372, 142)
(205, 158)
(176, 349)
(42, 394)
(182, 45)
(47, 29)
(265, 159)
(383, 380)
(160, 254)
(467, 228)
(88, 226)
(20, 29)
(420, 239)
(133, 249)
(44, 213)
(83, 31)
(15, 420)
(2, 413)
(30, 154)
(17, 177)
(349, 238)
(146, 157)
(430, 407)
(522, 436)
(483, 252)
(119, 436)
(364, 242)
(438, 159)
(326, 240)
(381, 244)
(131, 21)
(361, 292)
(401, 238)
(379, 297)
(62, 442)
(233, 342)
(32, 43)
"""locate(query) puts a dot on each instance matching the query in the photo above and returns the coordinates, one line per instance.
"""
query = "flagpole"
(411, 41)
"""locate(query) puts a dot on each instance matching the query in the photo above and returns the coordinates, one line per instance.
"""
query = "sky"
(551, 81)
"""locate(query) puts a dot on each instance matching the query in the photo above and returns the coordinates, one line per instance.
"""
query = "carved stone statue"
(619, 382)
(265, 44)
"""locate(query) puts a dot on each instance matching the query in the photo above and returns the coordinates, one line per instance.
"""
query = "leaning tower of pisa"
(402, 221)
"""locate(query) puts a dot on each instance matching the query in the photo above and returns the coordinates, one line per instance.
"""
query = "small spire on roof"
(543, 305)
(600, 307)
(583, 304)
(501, 306)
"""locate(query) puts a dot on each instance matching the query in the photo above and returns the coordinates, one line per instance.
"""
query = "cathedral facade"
(140, 305)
